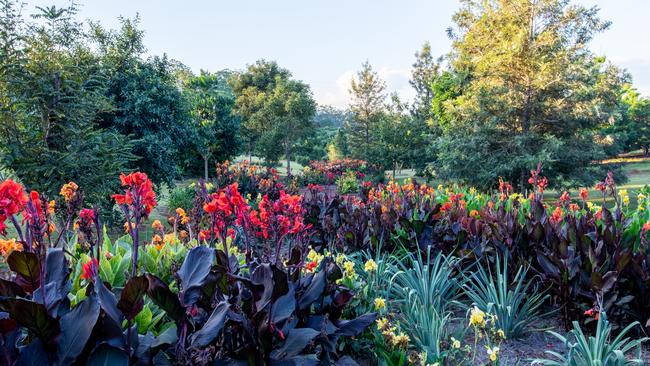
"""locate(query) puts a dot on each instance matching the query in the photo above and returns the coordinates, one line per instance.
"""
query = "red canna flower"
(231, 233)
(123, 199)
(12, 198)
(204, 235)
(557, 215)
(309, 266)
(210, 207)
(593, 312)
(139, 193)
(584, 194)
(89, 269)
(87, 215)
(565, 197)
(599, 214)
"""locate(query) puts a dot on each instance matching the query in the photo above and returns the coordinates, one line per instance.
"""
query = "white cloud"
(337, 94)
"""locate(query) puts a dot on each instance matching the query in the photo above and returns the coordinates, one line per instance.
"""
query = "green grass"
(637, 169)
(281, 167)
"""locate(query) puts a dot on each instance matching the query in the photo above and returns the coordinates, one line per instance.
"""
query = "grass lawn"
(281, 168)
(637, 169)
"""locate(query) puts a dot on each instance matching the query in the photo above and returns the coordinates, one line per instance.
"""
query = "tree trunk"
(287, 153)
(205, 167)
(646, 150)
(250, 152)
(394, 169)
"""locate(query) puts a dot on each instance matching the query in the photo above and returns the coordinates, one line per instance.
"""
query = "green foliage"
(427, 280)
(367, 107)
(596, 350)
(52, 96)
(515, 301)
(531, 91)
(328, 116)
(147, 104)
(314, 145)
(338, 148)
(182, 197)
(275, 110)
(347, 183)
(214, 128)
(426, 286)
(632, 130)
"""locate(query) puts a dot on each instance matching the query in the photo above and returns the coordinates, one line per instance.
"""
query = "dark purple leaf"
(27, 269)
(131, 299)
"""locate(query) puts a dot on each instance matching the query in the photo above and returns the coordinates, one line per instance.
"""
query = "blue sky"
(324, 42)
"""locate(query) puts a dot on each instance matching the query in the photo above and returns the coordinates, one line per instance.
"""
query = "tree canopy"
(530, 91)
(276, 110)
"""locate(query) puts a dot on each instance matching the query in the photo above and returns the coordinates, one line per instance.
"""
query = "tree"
(395, 137)
(424, 73)
(532, 92)
(328, 116)
(148, 104)
(338, 148)
(52, 96)
(251, 89)
(422, 126)
(367, 107)
(276, 109)
(636, 121)
(215, 129)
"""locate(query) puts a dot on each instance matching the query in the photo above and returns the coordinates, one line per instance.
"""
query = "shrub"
(348, 183)
(424, 288)
(428, 281)
(182, 197)
(596, 350)
(218, 306)
(514, 301)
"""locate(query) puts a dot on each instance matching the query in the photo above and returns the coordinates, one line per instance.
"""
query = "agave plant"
(596, 350)
(516, 303)
(426, 287)
(428, 280)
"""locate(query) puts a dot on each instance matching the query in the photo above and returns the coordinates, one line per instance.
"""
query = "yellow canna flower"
(493, 353)
(401, 341)
(382, 323)
(8, 246)
(501, 334)
(370, 266)
(157, 225)
(380, 303)
(348, 266)
(477, 317)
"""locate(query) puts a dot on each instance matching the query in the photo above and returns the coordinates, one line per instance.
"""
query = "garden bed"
(255, 269)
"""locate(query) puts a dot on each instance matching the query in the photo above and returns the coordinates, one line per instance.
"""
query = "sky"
(323, 43)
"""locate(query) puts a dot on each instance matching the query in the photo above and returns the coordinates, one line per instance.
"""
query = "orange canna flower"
(68, 191)
(8, 246)
(584, 194)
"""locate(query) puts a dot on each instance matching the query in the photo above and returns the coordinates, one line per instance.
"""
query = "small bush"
(515, 303)
(597, 349)
(182, 197)
(348, 183)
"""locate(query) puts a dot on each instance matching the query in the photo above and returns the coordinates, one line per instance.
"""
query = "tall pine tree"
(367, 106)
